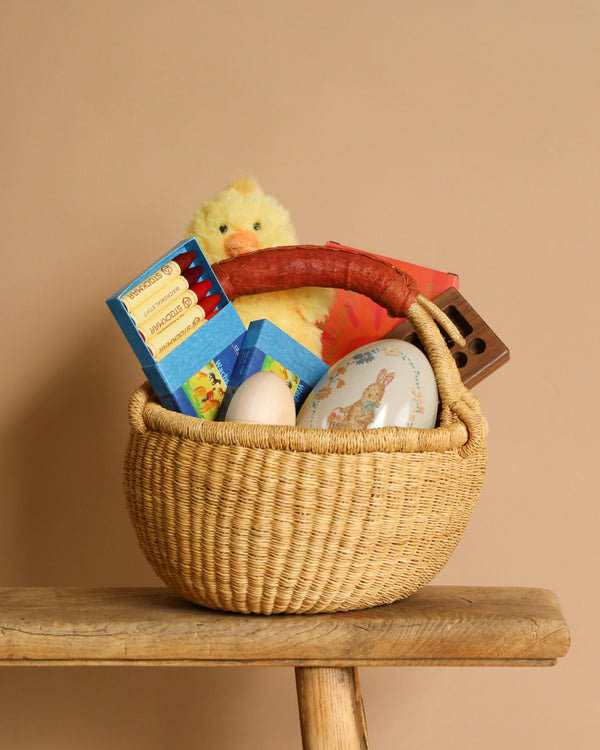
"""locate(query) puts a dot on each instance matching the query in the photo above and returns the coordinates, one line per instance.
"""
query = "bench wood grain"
(439, 625)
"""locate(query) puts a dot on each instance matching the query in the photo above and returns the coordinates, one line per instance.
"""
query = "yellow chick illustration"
(243, 219)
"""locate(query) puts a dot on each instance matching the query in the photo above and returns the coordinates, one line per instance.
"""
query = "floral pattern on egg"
(389, 382)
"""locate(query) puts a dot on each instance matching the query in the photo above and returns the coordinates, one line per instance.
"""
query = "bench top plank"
(438, 625)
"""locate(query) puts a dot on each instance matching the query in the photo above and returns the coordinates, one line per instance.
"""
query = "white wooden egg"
(263, 398)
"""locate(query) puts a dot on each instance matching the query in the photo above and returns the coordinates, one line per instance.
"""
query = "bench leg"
(331, 709)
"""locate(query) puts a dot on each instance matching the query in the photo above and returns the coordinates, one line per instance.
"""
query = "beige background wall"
(461, 136)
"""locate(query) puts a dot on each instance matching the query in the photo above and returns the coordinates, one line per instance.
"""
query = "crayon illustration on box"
(183, 329)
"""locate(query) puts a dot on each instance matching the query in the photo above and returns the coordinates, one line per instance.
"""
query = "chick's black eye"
(256, 226)
(223, 228)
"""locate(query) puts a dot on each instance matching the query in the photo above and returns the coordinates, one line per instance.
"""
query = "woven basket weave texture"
(250, 518)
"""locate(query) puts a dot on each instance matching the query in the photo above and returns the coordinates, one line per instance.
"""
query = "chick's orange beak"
(240, 242)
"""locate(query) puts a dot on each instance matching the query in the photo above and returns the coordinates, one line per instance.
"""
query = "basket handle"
(137, 403)
(332, 265)
(457, 400)
(293, 266)
(338, 267)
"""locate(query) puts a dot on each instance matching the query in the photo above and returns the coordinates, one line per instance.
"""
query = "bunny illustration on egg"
(362, 412)
(389, 382)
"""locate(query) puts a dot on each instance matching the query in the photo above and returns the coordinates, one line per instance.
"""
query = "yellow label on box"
(166, 294)
(167, 314)
(149, 286)
(165, 341)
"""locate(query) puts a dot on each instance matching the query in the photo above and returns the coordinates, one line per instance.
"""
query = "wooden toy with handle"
(483, 352)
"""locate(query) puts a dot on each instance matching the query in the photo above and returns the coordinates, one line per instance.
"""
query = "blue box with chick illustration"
(267, 347)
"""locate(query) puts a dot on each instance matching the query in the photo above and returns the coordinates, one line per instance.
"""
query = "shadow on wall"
(148, 708)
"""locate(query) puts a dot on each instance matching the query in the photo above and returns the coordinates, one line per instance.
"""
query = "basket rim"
(147, 414)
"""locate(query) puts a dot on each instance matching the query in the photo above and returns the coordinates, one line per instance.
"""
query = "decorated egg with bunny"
(388, 382)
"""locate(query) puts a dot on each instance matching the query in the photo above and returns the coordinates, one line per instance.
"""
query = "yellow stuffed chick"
(243, 219)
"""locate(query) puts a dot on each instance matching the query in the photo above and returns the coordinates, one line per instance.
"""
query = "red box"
(356, 320)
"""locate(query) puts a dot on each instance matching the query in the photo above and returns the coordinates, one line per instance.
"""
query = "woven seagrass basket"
(273, 519)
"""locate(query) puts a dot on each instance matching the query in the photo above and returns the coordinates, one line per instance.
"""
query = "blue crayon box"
(267, 347)
(193, 377)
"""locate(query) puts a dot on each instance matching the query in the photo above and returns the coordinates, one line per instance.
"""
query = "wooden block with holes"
(483, 352)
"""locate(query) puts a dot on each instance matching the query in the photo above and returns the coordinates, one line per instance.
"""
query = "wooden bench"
(437, 626)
